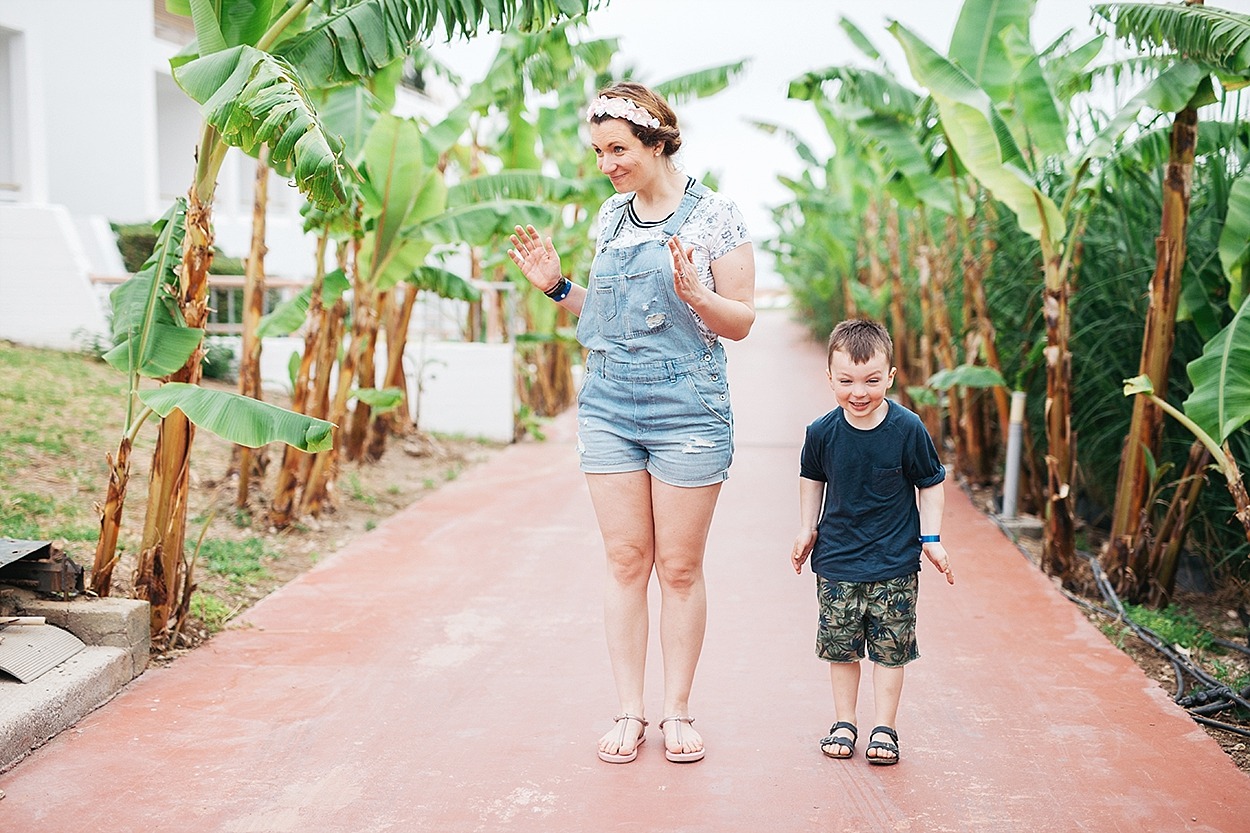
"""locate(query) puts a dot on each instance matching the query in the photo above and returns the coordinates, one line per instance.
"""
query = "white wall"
(46, 298)
(91, 103)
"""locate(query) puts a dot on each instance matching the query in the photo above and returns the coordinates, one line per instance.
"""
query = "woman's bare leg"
(682, 518)
(623, 507)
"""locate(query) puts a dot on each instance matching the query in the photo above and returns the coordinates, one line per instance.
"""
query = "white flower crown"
(621, 108)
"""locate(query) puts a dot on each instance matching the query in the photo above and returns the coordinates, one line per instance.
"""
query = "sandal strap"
(849, 743)
(621, 717)
(842, 724)
(678, 718)
(884, 730)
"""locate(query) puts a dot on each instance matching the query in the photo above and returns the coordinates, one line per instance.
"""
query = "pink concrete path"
(446, 672)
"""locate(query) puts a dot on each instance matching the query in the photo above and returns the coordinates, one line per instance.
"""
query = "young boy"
(862, 465)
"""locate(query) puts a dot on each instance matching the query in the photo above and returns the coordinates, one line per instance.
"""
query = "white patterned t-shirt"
(714, 228)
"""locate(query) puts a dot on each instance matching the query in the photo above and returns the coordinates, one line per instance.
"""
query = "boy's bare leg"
(887, 689)
(682, 518)
(844, 677)
(623, 506)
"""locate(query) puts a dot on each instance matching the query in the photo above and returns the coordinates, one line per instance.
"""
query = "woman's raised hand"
(536, 258)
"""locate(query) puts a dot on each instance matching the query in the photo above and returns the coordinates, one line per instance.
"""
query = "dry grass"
(62, 412)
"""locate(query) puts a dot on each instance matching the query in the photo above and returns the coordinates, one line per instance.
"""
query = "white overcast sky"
(782, 39)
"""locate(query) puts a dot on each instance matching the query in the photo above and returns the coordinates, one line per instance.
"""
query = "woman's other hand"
(536, 258)
(685, 277)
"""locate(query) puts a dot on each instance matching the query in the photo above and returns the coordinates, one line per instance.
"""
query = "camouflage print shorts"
(879, 615)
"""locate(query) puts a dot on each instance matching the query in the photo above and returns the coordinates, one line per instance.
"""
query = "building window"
(9, 186)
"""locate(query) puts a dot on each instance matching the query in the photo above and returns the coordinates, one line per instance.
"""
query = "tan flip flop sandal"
(622, 720)
(680, 757)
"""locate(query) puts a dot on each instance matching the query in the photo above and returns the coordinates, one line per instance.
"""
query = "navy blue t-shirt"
(869, 527)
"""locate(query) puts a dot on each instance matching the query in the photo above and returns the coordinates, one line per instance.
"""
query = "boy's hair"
(861, 339)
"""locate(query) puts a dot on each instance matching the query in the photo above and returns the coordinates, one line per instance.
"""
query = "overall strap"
(614, 221)
(689, 200)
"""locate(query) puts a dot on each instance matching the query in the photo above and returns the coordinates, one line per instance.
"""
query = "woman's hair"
(861, 339)
(667, 134)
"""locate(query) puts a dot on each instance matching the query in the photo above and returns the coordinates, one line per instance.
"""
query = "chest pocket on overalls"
(633, 306)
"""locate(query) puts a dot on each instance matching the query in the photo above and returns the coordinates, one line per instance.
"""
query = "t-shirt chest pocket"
(886, 482)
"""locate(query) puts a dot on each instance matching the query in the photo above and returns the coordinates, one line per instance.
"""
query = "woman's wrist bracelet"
(560, 291)
(930, 539)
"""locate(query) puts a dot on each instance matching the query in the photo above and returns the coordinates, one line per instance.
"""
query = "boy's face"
(860, 388)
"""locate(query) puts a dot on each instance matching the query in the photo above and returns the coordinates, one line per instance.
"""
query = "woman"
(674, 272)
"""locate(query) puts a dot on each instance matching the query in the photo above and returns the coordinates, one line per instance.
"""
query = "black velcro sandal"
(834, 740)
(883, 745)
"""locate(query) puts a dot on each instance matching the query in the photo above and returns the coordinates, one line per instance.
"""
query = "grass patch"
(211, 611)
(239, 560)
(1174, 626)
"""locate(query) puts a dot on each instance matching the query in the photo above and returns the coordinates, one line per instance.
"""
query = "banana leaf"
(443, 283)
(482, 223)
(151, 337)
(1170, 92)
(252, 98)
(968, 376)
(520, 185)
(240, 419)
(1220, 401)
(982, 139)
(290, 315)
(1234, 245)
(379, 400)
(701, 83)
(1214, 36)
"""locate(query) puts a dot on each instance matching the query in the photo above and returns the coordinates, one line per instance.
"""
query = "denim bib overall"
(655, 396)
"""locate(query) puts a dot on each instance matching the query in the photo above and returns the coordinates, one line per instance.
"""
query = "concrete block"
(109, 622)
(32, 713)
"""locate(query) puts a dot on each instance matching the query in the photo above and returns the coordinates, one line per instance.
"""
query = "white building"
(94, 130)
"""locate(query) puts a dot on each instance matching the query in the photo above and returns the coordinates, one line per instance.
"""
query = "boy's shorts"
(877, 615)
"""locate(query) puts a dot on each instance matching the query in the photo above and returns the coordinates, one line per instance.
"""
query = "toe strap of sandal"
(621, 717)
(886, 745)
(832, 738)
(679, 719)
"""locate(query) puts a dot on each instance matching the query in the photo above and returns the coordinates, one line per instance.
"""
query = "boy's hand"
(936, 553)
(802, 549)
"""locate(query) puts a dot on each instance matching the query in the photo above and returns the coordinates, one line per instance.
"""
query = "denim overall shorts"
(654, 396)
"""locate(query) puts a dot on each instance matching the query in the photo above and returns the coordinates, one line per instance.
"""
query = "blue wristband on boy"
(930, 539)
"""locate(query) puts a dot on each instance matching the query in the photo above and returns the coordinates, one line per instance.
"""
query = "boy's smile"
(860, 388)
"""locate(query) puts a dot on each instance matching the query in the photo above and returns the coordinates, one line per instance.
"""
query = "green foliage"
(211, 611)
(239, 560)
(1173, 625)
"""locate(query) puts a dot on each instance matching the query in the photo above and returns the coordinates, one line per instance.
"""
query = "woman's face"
(622, 156)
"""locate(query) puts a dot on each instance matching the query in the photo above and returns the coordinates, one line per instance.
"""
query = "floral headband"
(621, 108)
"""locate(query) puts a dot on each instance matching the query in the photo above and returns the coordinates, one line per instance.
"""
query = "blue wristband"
(560, 291)
(930, 539)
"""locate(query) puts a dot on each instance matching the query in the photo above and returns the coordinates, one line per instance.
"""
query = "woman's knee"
(629, 564)
(680, 574)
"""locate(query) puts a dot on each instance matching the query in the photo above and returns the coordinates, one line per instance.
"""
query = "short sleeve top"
(714, 228)
(869, 528)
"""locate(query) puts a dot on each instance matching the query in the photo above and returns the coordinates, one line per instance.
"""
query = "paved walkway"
(446, 672)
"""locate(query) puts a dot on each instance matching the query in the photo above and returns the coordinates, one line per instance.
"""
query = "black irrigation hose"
(1236, 646)
(1224, 727)
(1214, 686)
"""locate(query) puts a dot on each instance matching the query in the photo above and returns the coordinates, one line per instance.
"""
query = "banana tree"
(247, 70)
(1007, 147)
(1219, 403)
(1206, 48)
(154, 340)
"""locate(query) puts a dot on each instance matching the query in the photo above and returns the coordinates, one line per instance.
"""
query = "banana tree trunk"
(397, 420)
(903, 351)
(111, 520)
(159, 574)
(931, 415)
(1124, 557)
(281, 510)
(940, 271)
(253, 462)
(1059, 538)
(1165, 549)
(364, 343)
(323, 470)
